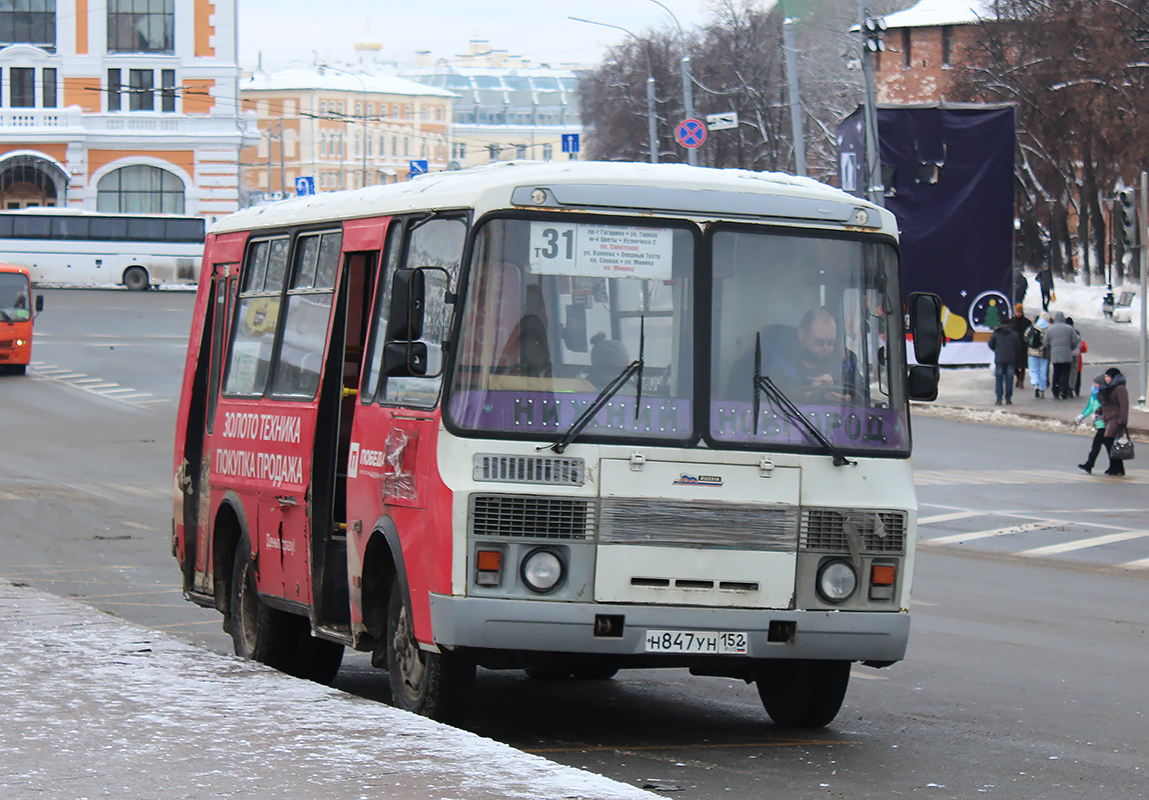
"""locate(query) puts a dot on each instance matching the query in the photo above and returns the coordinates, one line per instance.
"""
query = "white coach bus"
(89, 248)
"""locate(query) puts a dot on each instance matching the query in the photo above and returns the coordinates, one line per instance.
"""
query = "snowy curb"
(98, 707)
(1013, 419)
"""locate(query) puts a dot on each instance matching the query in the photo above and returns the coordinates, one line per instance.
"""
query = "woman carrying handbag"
(1114, 398)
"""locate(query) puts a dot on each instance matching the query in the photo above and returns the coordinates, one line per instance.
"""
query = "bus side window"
(437, 243)
(257, 317)
(382, 308)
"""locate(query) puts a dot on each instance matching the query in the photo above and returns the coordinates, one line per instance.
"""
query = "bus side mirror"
(39, 303)
(922, 382)
(408, 298)
(926, 327)
(405, 359)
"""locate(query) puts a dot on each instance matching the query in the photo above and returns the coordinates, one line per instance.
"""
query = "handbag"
(1122, 450)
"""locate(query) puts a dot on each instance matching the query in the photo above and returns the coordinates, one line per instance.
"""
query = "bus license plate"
(721, 643)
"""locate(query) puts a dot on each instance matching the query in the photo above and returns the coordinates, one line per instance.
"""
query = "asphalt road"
(1025, 675)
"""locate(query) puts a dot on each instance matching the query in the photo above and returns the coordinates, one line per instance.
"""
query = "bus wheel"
(136, 279)
(259, 632)
(319, 659)
(802, 694)
(436, 685)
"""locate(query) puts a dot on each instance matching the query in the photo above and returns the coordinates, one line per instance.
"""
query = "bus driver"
(807, 364)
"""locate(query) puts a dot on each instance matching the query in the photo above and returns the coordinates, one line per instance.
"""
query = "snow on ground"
(1078, 300)
(96, 707)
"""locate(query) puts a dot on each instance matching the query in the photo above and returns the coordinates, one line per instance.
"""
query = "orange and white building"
(122, 105)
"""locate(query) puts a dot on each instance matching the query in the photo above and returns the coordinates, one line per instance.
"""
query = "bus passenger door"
(392, 470)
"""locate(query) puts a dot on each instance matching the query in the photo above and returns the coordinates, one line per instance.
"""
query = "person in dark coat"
(1020, 287)
(1064, 344)
(1005, 344)
(1045, 281)
(1020, 324)
(1114, 396)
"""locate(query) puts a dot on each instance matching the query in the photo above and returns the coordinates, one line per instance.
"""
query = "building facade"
(923, 45)
(506, 108)
(126, 105)
(341, 128)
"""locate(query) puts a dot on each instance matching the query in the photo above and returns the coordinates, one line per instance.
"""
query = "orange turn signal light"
(883, 574)
(490, 560)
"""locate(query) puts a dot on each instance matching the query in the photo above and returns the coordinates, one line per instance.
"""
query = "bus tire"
(136, 279)
(258, 632)
(318, 659)
(436, 685)
(802, 694)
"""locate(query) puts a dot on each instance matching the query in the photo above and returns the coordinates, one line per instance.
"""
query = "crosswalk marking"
(1081, 544)
(1141, 563)
(949, 517)
(977, 477)
(99, 387)
(974, 535)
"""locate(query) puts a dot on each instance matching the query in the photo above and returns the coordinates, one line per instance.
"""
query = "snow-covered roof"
(935, 13)
(491, 186)
(332, 81)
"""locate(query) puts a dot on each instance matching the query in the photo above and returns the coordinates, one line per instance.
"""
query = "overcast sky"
(302, 31)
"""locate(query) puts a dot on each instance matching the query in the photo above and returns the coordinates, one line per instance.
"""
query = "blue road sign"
(570, 142)
(304, 186)
(418, 167)
(690, 133)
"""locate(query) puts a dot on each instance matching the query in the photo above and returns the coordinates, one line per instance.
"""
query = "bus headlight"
(837, 581)
(542, 570)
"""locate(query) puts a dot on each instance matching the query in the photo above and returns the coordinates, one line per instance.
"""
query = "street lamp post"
(362, 111)
(651, 129)
(687, 81)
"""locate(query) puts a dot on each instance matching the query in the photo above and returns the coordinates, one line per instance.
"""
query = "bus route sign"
(690, 133)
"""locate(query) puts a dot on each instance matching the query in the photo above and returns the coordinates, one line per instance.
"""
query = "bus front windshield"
(15, 297)
(557, 310)
(811, 325)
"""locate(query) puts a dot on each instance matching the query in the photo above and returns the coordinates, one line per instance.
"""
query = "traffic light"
(873, 30)
(1127, 208)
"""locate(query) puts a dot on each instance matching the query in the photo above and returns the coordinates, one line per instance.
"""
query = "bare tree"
(1077, 72)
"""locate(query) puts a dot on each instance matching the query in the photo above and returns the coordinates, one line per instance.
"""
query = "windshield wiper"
(762, 383)
(7, 318)
(608, 391)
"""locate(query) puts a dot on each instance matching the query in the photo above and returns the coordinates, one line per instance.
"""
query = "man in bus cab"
(808, 366)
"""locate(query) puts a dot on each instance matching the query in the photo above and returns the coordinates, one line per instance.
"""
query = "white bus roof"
(612, 187)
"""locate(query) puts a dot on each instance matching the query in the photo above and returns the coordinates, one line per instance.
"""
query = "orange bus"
(567, 418)
(16, 318)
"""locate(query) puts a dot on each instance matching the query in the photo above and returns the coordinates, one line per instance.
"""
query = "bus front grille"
(529, 469)
(698, 523)
(829, 529)
(530, 516)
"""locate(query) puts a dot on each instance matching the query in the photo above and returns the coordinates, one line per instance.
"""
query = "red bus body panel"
(16, 336)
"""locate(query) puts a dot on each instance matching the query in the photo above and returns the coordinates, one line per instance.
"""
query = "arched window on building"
(140, 189)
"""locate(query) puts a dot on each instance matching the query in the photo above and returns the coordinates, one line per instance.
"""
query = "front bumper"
(542, 626)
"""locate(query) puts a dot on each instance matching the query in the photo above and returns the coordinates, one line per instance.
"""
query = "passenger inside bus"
(808, 363)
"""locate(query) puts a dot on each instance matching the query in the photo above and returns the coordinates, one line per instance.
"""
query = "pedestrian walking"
(1063, 344)
(1038, 361)
(1114, 397)
(1020, 324)
(1093, 409)
(1005, 344)
(1020, 287)
(1045, 281)
(1076, 364)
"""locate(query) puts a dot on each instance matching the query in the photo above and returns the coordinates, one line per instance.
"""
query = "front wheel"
(136, 279)
(802, 694)
(436, 685)
(258, 632)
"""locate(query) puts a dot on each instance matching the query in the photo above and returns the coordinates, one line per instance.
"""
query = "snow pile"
(1080, 301)
(98, 707)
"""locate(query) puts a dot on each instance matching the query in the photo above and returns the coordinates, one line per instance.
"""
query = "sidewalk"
(95, 707)
(968, 393)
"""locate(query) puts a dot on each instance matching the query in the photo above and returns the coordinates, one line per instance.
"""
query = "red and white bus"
(567, 418)
(16, 318)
